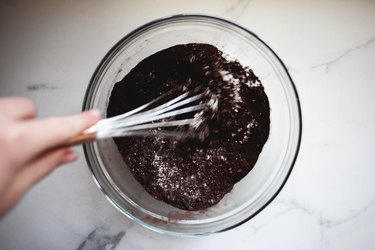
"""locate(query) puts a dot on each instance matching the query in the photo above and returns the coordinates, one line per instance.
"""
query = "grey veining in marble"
(328, 64)
(99, 239)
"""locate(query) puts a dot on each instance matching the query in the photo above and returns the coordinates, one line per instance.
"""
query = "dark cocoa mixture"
(194, 174)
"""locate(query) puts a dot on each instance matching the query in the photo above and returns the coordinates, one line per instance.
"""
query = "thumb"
(36, 136)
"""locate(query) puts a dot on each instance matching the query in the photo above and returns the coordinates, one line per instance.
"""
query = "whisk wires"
(149, 119)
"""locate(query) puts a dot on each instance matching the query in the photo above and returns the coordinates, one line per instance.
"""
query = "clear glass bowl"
(252, 193)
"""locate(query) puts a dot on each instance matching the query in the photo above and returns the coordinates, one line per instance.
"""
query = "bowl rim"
(88, 94)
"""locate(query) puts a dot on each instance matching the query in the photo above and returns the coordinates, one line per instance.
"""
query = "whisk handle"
(86, 136)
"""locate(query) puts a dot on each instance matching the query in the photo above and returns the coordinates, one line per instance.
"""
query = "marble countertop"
(50, 49)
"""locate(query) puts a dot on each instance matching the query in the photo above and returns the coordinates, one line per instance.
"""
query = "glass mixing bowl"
(252, 193)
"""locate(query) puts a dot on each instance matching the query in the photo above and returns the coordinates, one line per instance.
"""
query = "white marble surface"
(49, 50)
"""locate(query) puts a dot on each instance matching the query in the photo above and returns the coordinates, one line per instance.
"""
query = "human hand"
(30, 147)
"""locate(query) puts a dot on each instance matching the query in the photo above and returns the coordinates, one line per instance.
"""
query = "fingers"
(43, 165)
(30, 148)
(29, 139)
(16, 108)
(33, 173)
(57, 131)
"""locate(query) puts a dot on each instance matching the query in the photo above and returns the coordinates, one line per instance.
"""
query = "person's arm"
(29, 147)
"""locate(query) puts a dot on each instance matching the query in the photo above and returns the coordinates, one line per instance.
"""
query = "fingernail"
(94, 113)
(69, 156)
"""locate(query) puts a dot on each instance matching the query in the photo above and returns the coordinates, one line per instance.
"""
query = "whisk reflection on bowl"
(178, 117)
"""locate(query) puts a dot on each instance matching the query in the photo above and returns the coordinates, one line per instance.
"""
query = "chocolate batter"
(194, 174)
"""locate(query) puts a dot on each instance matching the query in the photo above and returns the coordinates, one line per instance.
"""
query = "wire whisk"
(179, 117)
